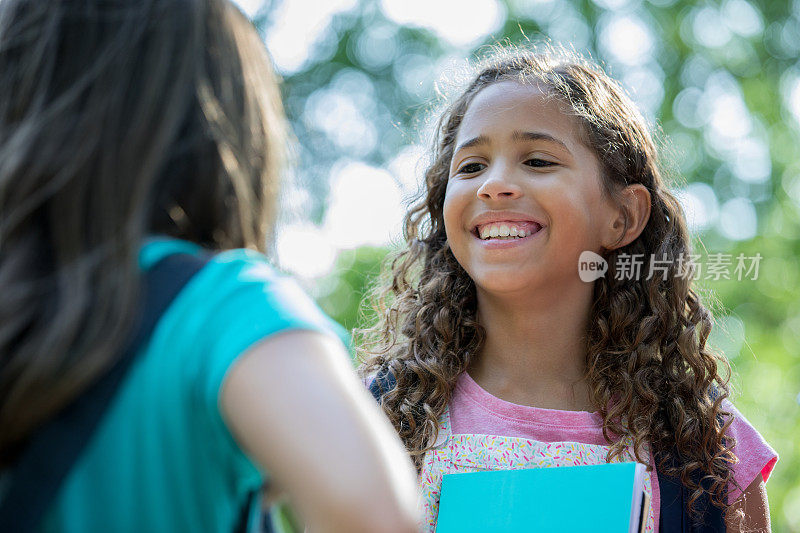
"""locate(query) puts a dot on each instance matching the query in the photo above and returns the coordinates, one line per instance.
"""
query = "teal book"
(598, 498)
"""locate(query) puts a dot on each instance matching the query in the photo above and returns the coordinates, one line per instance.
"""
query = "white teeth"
(502, 231)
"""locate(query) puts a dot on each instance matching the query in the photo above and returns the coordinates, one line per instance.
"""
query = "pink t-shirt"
(475, 411)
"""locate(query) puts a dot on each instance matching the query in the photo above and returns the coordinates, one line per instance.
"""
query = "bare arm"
(296, 407)
(750, 513)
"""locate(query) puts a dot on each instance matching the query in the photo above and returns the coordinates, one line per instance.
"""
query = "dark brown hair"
(118, 119)
(650, 373)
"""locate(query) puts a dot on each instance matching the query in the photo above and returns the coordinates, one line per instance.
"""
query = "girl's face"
(524, 196)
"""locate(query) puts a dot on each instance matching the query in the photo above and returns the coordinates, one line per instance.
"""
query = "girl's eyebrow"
(475, 141)
(515, 136)
(537, 136)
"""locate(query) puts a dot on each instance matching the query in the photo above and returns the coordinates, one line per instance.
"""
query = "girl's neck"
(535, 349)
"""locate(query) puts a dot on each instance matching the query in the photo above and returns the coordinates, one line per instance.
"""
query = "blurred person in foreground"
(132, 131)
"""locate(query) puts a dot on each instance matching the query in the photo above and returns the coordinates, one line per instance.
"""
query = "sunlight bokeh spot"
(407, 167)
(451, 20)
(686, 105)
(338, 114)
(699, 203)
(742, 17)
(365, 206)
(791, 94)
(304, 250)
(626, 38)
(728, 335)
(708, 29)
(737, 219)
(751, 160)
(296, 27)
(615, 4)
(646, 86)
(570, 29)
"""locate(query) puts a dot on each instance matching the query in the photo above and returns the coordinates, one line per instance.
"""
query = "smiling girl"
(489, 340)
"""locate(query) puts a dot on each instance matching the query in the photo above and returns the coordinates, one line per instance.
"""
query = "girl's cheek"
(449, 218)
(454, 199)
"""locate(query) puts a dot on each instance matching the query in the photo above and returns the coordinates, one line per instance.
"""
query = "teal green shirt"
(162, 458)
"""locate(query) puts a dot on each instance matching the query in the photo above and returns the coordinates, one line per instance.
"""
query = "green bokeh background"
(749, 48)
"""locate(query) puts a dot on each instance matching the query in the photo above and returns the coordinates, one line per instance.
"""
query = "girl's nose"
(497, 186)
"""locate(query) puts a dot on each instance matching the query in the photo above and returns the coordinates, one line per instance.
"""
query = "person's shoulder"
(754, 454)
(252, 273)
(740, 426)
(157, 247)
(238, 285)
(236, 300)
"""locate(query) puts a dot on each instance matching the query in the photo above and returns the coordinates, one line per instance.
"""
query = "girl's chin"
(509, 284)
(514, 283)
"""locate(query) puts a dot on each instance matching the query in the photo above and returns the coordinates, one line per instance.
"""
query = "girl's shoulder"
(236, 300)
(755, 456)
(239, 285)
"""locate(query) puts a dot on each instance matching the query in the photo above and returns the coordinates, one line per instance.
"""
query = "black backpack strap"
(384, 382)
(33, 482)
(673, 515)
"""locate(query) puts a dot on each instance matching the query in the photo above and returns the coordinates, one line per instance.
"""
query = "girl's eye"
(539, 163)
(471, 168)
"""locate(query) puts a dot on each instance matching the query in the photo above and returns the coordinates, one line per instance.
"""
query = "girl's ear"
(633, 213)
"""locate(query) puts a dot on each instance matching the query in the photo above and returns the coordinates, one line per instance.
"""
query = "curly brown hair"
(650, 373)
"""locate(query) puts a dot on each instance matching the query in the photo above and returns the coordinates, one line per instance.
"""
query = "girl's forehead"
(508, 106)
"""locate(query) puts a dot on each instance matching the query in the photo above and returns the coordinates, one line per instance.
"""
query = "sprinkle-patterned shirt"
(482, 432)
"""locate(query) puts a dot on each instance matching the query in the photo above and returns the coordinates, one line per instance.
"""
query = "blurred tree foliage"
(721, 80)
(344, 293)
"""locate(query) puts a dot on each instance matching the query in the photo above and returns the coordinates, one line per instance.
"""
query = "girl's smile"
(498, 230)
